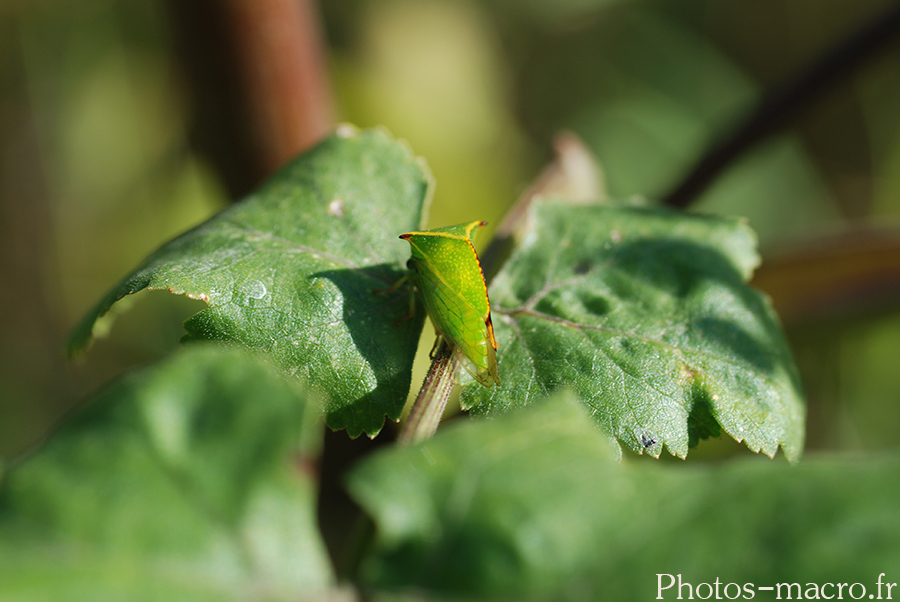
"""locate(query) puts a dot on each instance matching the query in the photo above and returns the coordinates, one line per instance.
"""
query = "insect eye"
(410, 264)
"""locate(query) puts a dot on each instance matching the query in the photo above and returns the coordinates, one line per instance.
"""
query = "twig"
(429, 406)
(779, 107)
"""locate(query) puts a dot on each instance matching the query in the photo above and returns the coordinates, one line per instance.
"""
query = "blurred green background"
(100, 162)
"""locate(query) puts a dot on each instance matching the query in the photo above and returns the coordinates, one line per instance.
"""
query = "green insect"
(446, 270)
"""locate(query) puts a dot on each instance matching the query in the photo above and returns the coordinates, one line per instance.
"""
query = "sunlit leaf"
(646, 314)
(292, 271)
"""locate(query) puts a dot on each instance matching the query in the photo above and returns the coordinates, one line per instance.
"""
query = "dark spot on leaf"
(583, 267)
(596, 305)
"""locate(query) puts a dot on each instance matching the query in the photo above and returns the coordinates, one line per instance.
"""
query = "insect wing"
(458, 319)
(449, 277)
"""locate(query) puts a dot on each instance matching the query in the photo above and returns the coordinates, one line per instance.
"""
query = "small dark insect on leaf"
(647, 441)
(583, 267)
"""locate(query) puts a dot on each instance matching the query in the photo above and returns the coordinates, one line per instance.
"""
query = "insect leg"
(393, 287)
(437, 343)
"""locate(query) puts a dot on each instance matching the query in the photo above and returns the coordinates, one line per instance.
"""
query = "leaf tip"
(84, 333)
(76, 346)
(791, 453)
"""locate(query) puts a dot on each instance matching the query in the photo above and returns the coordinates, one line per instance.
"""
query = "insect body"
(446, 270)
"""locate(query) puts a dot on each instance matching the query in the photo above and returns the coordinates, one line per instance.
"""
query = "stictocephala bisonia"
(446, 270)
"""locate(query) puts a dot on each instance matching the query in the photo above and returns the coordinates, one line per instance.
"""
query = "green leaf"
(646, 314)
(534, 504)
(291, 270)
(188, 480)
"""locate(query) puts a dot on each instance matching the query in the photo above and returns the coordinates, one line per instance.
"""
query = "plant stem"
(281, 62)
(429, 406)
(420, 425)
(779, 106)
(258, 69)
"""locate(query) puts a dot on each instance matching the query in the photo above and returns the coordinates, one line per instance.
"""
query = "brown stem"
(429, 406)
(846, 274)
(281, 60)
(258, 82)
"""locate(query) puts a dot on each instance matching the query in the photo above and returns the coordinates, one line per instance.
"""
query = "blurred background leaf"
(534, 505)
(192, 479)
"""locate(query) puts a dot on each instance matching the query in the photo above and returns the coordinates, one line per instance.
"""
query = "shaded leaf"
(291, 270)
(534, 505)
(646, 314)
(183, 481)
